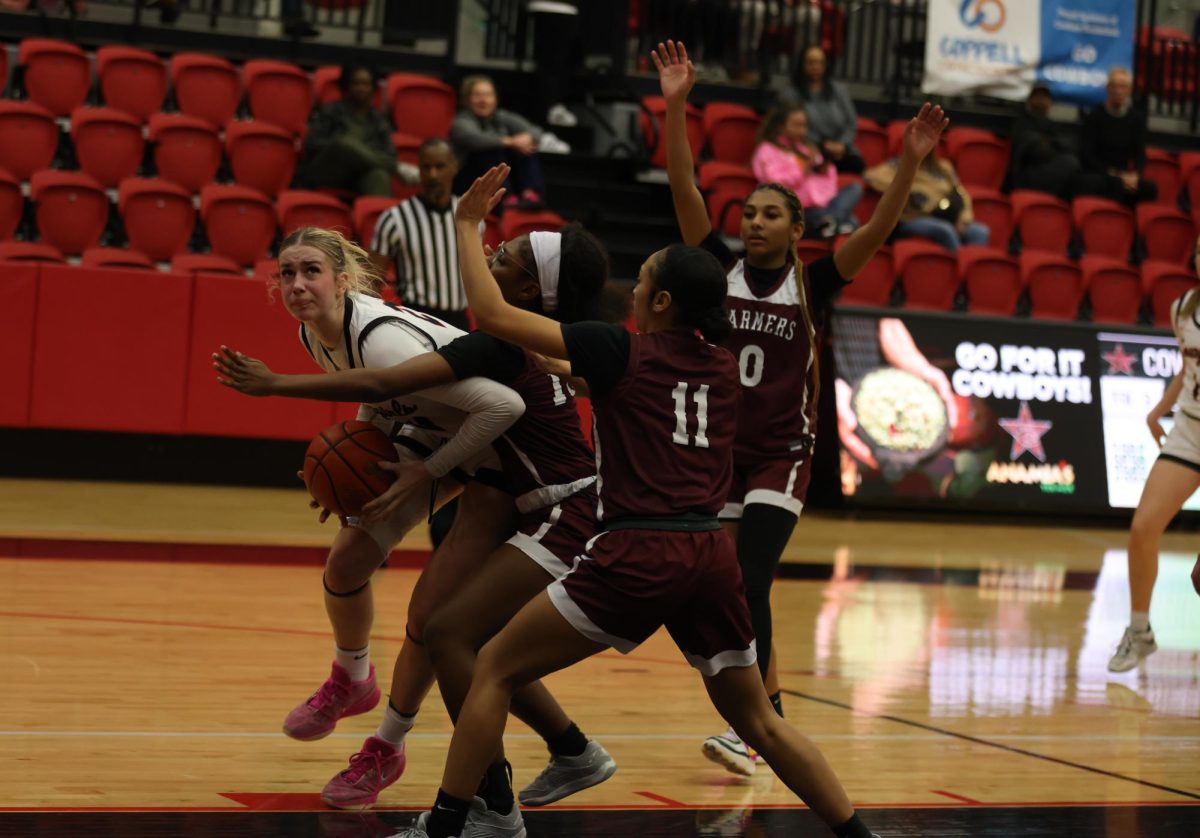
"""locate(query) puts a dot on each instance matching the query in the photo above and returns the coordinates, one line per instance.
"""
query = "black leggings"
(763, 533)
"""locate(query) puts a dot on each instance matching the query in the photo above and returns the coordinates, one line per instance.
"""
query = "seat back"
(132, 80)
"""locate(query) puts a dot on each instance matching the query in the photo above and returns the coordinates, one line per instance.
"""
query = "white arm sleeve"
(491, 410)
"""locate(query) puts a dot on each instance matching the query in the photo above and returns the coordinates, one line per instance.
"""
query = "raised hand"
(676, 74)
(922, 132)
(484, 194)
(243, 373)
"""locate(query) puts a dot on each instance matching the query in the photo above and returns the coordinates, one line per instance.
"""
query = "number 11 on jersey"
(700, 397)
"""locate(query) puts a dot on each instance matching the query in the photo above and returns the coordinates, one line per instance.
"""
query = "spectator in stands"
(1042, 158)
(349, 143)
(1112, 146)
(938, 207)
(485, 135)
(784, 154)
(417, 236)
(832, 118)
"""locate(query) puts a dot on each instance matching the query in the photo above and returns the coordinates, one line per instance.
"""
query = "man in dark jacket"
(349, 143)
(1042, 158)
(1112, 146)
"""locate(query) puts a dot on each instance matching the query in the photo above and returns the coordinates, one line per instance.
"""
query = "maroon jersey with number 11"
(665, 408)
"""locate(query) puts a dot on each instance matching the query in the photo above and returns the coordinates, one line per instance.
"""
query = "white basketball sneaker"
(1135, 646)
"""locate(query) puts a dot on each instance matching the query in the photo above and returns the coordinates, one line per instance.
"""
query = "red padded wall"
(110, 349)
(236, 311)
(18, 305)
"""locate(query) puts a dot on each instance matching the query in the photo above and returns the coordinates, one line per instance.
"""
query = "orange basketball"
(341, 466)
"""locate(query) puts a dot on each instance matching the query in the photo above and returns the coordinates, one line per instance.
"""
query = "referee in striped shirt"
(418, 236)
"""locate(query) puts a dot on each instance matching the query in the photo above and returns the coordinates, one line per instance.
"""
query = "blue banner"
(1081, 41)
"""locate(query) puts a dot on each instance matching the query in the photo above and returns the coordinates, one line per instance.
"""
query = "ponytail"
(697, 285)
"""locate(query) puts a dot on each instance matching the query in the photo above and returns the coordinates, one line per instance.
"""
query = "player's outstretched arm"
(920, 137)
(254, 378)
(492, 313)
(676, 75)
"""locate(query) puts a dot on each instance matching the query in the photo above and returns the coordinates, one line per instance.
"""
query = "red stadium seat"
(810, 250)
(279, 93)
(205, 263)
(515, 223)
(874, 283)
(132, 80)
(992, 279)
(326, 87)
(871, 141)
(261, 155)
(187, 149)
(1164, 283)
(206, 86)
(1163, 169)
(928, 274)
(159, 216)
(367, 210)
(12, 204)
(996, 211)
(116, 257)
(653, 121)
(29, 252)
(108, 143)
(57, 74)
(730, 130)
(979, 157)
(1042, 220)
(18, 322)
(408, 147)
(1189, 176)
(1113, 288)
(266, 269)
(1055, 285)
(28, 138)
(1106, 227)
(420, 105)
(725, 187)
(240, 222)
(865, 208)
(299, 208)
(72, 209)
(1167, 233)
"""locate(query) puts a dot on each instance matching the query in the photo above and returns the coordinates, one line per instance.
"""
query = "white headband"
(547, 253)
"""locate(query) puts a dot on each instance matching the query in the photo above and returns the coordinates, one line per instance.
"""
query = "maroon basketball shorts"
(554, 535)
(782, 482)
(632, 581)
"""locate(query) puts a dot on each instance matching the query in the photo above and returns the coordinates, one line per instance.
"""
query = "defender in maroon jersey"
(665, 409)
(547, 466)
(777, 307)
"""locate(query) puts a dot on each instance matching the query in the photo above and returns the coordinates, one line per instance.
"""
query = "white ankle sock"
(355, 661)
(1139, 621)
(395, 725)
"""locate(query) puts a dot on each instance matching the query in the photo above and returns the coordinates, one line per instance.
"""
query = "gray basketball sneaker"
(1135, 646)
(567, 775)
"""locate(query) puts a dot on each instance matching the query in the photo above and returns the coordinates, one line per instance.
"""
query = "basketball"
(341, 467)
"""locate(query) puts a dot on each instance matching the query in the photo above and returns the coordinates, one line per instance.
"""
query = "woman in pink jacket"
(784, 155)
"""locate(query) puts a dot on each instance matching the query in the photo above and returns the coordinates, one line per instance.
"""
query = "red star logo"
(1027, 433)
(1119, 361)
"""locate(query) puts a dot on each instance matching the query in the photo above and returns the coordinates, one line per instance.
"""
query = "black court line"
(997, 745)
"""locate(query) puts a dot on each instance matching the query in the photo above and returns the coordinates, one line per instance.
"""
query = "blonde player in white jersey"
(1173, 479)
(328, 285)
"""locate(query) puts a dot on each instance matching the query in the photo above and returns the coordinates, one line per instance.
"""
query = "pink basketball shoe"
(337, 697)
(375, 767)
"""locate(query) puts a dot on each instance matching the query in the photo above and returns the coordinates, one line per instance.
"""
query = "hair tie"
(547, 254)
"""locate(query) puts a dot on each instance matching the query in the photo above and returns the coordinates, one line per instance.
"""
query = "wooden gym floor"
(153, 637)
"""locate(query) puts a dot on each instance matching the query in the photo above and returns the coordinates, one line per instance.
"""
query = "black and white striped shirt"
(420, 240)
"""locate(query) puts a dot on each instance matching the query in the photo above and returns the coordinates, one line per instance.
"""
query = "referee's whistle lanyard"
(810, 330)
